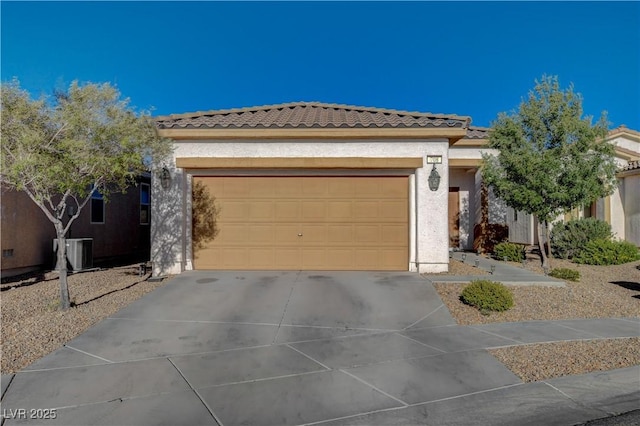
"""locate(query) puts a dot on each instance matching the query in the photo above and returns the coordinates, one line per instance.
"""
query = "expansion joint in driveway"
(578, 402)
(373, 387)
(284, 311)
(196, 392)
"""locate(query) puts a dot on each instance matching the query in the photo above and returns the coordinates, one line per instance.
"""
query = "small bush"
(565, 274)
(511, 251)
(568, 239)
(487, 296)
(606, 252)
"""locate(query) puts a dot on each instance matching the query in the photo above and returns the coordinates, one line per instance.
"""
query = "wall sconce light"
(165, 178)
(434, 179)
(434, 176)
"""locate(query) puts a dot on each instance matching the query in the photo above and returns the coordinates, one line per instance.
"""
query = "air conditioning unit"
(79, 253)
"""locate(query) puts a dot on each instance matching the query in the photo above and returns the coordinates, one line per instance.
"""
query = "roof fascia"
(453, 134)
(471, 142)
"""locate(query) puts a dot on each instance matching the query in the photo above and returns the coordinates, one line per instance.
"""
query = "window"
(145, 202)
(97, 207)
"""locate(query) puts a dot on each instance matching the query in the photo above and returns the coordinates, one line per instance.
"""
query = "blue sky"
(465, 58)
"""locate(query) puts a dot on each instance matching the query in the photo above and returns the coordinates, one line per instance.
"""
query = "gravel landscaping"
(602, 292)
(32, 325)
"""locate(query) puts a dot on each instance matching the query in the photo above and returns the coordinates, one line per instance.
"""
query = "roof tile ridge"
(389, 110)
(196, 114)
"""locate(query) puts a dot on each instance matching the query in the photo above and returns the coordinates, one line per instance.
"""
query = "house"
(621, 209)
(315, 186)
(120, 229)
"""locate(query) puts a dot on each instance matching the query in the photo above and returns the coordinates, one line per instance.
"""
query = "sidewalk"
(502, 272)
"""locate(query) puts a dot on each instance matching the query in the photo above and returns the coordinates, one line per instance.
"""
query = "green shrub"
(487, 296)
(568, 239)
(511, 251)
(606, 252)
(565, 274)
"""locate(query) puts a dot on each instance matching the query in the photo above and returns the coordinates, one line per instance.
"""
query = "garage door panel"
(347, 223)
(235, 188)
(287, 211)
(261, 257)
(367, 234)
(260, 211)
(392, 210)
(319, 258)
(261, 234)
(341, 188)
(388, 258)
(365, 211)
(231, 234)
(340, 233)
(394, 234)
(232, 211)
(286, 234)
(259, 189)
(229, 258)
(313, 234)
(340, 210)
(315, 188)
(313, 210)
(392, 189)
(368, 259)
(286, 187)
(287, 258)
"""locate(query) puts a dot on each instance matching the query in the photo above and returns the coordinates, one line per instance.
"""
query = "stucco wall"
(27, 231)
(27, 235)
(617, 210)
(465, 180)
(625, 143)
(430, 254)
(632, 208)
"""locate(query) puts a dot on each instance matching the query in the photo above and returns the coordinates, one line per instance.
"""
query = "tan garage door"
(308, 223)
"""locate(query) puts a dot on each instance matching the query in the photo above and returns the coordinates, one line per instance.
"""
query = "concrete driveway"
(279, 348)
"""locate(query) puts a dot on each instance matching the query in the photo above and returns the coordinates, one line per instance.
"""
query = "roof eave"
(453, 134)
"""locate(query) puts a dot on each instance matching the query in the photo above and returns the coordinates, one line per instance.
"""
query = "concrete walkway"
(280, 348)
(502, 272)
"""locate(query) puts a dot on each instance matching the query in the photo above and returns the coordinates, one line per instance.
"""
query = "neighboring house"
(621, 209)
(314, 186)
(120, 229)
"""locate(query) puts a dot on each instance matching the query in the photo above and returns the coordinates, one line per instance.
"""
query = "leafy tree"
(60, 151)
(551, 159)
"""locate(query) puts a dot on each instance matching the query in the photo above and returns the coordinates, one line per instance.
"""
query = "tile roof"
(474, 132)
(309, 115)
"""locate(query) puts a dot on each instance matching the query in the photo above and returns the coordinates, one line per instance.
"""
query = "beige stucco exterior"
(27, 234)
(428, 234)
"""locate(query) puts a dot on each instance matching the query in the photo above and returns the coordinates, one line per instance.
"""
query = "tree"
(551, 159)
(61, 151)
